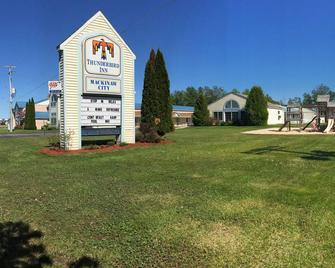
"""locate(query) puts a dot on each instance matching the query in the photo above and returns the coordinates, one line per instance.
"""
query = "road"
(28, 135)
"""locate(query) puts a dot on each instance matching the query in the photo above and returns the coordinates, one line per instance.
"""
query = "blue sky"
(285, 46)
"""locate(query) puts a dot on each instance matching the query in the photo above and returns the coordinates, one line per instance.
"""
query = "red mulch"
(102, 149)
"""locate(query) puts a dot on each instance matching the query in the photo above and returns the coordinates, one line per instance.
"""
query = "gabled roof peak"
(83, 26)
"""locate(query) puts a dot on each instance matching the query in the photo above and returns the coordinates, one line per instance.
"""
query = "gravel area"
(294, 131)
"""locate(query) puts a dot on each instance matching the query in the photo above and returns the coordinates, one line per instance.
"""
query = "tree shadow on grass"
(312, 155)
(20, 247)
(86, 262)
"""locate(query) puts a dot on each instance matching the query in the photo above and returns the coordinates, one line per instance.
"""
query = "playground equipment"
(329, 126)
(324, 114)
(309, 123)
(293, 114)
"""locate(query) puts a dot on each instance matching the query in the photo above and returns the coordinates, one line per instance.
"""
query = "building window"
(218, 116)
(228, 117)
(231, 104)
(231, 116)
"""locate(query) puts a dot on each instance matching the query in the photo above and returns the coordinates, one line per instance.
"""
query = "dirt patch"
(294, 131)
(102, 149)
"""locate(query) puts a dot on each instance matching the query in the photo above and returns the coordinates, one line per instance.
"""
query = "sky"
(287, 47)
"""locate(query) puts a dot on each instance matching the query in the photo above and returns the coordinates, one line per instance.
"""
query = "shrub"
(226, 123)
(215, 122)
(123, 144)
(149, 134)
(256, 107)
(54, 141)
(57, 140)
(138, 135)
(111, 143)
(201, 114)
(92, 147)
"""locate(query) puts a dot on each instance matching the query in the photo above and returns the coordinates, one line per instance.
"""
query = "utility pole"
(11, 94)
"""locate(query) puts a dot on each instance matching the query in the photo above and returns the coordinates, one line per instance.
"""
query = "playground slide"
(306, 126)
(285, 124)
(330, 126)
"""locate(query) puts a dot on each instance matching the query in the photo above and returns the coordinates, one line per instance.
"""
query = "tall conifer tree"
(150, 100)
(163, 89)
(29, 121)
(27, 116)
(32, 116)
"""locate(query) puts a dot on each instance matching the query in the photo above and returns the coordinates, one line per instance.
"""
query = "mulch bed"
(102, 149)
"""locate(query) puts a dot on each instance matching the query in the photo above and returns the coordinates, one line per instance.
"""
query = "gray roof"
(323, 98)
(331, 104)
(275, 106)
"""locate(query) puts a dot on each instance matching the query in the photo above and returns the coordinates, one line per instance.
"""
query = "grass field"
(215, 198)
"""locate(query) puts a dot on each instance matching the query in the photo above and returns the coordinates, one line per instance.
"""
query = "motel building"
(41, 113)
(231, 108)
(181, 115)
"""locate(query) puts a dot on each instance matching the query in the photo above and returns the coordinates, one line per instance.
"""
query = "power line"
(45, 82)
(140, 18)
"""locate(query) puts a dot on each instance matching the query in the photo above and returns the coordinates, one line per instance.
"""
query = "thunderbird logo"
(96, 44)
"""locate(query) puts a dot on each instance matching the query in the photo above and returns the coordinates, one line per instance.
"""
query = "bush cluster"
(148, 134)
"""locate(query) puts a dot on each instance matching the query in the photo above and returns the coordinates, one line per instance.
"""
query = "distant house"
(41, 113)
(231, 108)
(181, 115)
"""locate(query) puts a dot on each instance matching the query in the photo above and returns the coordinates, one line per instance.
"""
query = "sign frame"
(82, 83)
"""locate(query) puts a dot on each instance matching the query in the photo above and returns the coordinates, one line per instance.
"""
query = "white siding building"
(231, 108)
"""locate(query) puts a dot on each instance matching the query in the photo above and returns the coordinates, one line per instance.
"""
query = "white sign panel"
(54, 87)
(100, 112)
(102, 56)
(102, 86)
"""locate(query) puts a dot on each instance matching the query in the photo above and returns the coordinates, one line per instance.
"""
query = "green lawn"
(215, 198)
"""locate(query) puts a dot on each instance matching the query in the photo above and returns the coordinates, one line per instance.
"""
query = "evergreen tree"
(32, 116)
(27, 116)
(256, 107)
(201, 114)
(150, 99)
(163, 89)
(29, 122)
